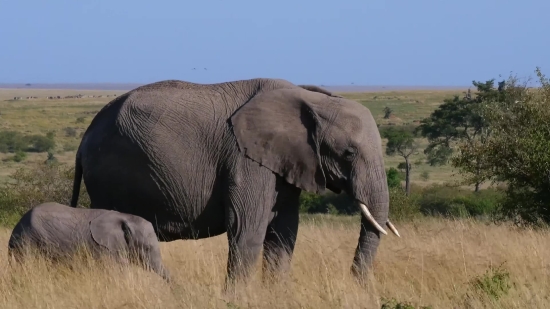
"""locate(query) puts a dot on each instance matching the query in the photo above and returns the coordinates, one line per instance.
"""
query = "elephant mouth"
(365, 211)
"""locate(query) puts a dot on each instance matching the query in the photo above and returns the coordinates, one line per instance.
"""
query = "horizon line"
(130, 86)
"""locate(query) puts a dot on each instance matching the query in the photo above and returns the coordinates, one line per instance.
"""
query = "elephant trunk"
(373, 201)
(156, 266)
(163, 272)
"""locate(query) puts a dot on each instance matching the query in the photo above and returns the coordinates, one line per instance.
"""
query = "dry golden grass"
(430, 265)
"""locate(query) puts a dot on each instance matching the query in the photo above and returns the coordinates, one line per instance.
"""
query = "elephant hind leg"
(281, 233)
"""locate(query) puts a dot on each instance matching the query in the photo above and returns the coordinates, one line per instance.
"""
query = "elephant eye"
(349, 154)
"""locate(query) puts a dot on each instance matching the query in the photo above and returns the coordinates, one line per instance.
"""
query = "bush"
(12, 142)
(447, 201)
(494, 284)
(29, 187)
(394, 178)
(328, 203)
(39, 143)
(403, 207)
(19, 156)
(516, 151)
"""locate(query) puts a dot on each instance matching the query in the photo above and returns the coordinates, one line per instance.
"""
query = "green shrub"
(328, 203)
(310, 202)
(403, 207)
(19, 156)
(28, 187)
(393, 177)
(39, 143)
(12, 142)
(494, 284)
(440, 200)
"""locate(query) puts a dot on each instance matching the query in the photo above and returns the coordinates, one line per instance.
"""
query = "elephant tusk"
(370, 218)
(392, 228)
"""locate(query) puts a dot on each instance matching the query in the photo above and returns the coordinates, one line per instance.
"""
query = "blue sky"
(365, 42)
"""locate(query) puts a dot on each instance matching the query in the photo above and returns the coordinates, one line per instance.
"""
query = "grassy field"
(436, 263)
(68, 118)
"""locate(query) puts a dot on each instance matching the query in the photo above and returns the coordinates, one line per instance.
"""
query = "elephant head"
(319, 142)
(116, 232)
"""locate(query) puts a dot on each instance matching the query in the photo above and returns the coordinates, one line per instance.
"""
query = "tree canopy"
(518, 150)
(461, 120)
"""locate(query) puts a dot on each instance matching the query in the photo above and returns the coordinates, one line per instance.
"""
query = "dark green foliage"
(458, 119)
(329, 203)
(409, 128)
(12, 142)
(393, 177)
(454, 202)
(517, 151)
(435, 200)
(39, 143)
(400, 141)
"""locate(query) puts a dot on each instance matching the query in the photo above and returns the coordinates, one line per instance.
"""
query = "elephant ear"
(279, 129)
(111, 231)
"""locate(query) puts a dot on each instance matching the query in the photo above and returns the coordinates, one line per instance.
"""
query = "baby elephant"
(57, 230)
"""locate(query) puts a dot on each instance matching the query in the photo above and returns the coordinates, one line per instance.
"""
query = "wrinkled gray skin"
(57, 230)
(198, 160)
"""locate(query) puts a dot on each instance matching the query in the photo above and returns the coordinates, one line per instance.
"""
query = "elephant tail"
(77, 180)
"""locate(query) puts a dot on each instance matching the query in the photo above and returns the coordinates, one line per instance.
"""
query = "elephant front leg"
(247, 215)
(281, 233)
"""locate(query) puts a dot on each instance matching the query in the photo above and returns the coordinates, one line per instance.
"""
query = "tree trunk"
(477, 187)
(407, 176)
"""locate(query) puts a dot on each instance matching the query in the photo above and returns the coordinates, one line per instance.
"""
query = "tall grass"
(440, 263)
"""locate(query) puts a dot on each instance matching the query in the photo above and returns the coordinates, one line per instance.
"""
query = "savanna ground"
(442, 263)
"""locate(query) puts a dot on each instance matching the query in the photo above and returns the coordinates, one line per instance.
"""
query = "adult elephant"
(198, 160)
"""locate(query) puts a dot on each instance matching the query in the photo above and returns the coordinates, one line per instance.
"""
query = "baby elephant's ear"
(110, 231)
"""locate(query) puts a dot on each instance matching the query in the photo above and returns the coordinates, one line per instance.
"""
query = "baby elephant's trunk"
(151, 259)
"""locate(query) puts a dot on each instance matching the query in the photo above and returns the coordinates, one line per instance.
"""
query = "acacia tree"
(402, 143)
(517, 152)
(461, 120)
